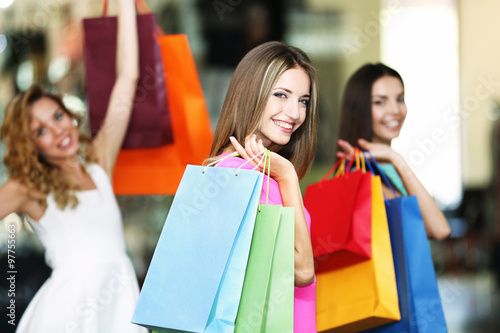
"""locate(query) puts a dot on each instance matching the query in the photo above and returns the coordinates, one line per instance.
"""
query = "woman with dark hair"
(373, 112)
(272, 102)
(60, 180)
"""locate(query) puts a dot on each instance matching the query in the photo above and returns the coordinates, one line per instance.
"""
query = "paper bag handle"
(375, 164)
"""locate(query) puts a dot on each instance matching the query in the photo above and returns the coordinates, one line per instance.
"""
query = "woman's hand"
(381, 152)
(435, 222)
(281, 168)
(283, 171)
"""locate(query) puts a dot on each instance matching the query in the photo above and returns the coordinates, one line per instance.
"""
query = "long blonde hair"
(23, 160)
(250, 87)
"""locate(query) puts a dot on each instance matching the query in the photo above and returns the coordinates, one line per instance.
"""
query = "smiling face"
(53, 131)
(388, 109)
(285, 109)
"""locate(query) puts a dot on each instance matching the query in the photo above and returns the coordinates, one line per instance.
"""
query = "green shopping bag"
(267, 297)
(279, 303)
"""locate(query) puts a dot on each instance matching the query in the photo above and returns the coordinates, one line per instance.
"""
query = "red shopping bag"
(340, 209)
(149, 124)
(364, 295)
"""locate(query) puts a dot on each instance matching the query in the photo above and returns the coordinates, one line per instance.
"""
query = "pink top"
(305, 297)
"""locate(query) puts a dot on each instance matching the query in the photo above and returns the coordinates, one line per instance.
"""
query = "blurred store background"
(447, 52)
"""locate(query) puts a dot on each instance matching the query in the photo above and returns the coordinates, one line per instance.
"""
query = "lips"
(285, 126)
(65, 143)
(392, 124)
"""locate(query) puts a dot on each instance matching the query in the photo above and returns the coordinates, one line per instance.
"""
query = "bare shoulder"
(15, 188)
(17, 197)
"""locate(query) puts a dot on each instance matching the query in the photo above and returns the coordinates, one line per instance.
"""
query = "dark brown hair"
(356, 107)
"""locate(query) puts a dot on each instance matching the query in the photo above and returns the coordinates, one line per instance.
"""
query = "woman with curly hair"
(60, 180)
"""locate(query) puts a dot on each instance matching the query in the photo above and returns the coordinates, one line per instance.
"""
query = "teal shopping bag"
(197, 259)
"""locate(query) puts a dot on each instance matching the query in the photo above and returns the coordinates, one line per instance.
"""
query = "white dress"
(93, 287)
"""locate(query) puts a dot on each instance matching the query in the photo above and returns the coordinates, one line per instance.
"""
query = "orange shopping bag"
(363, 295)
(158, 171)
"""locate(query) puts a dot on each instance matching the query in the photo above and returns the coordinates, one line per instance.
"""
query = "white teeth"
(393, 123)
(284, 125)
(65, 141)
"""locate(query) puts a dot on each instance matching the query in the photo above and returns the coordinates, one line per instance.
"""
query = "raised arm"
(435, 222)
(109, 139)
(284, 173)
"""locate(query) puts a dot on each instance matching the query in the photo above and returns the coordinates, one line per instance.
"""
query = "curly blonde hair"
(23, 160)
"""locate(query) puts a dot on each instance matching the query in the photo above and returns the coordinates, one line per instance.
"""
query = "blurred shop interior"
(447, 52)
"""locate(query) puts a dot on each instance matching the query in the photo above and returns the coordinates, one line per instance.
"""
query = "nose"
(395, 108)
(292, 110)
(56, 129)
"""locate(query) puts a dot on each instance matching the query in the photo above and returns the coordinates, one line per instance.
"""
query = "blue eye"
(58, 116)
(379, 102)
(304, 101)
(41, 131)
(280, 95)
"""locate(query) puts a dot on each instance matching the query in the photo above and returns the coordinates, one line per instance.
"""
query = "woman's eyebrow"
(285, 89)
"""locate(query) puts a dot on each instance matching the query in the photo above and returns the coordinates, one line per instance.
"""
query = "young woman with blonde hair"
(60, 180)
(272, 102)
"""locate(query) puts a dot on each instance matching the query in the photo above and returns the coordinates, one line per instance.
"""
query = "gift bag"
(224, 310)
(267, 298)
(419, 300)
(149, 124)
(363, 295)
(340, 210)
(196, 274)
(157, 171)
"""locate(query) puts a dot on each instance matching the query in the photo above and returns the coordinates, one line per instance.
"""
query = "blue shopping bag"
(196, 274)
(419, 301)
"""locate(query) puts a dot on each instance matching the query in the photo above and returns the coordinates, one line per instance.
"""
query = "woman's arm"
(292, 197)
(109, 139)
(13, 197)
(435, 222)
(284, 173)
